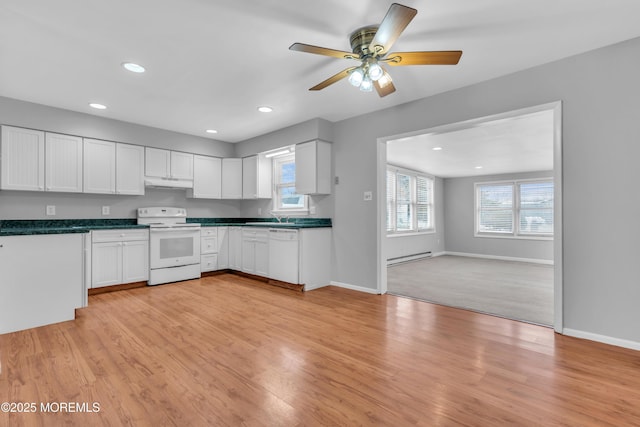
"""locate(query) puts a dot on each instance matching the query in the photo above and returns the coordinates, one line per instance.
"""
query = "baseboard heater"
(406, 258)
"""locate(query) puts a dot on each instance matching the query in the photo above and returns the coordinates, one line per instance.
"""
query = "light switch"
(51, 210)
(368, 196)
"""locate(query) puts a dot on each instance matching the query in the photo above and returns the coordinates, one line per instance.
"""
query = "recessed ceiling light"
(437, 148)
(478, 167)
(211, 131)
(265, 109)
(134, 68)
(97, 106)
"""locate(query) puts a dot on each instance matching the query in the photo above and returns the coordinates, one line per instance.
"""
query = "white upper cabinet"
(129, 169)
(168, 164)
(313, 168)
(22, 154)
(157, 163)
(231, 178)
(181, 165)
(99, 166)
(257, 173)
(113, 168)
(63, 163)
(207, 178)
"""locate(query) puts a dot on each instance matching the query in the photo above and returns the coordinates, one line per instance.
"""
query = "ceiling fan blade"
(301, 47)
(384, 86)
(331, 80)
(393, 24)
(445, 57)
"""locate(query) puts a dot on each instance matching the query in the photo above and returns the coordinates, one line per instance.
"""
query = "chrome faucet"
(277, 217)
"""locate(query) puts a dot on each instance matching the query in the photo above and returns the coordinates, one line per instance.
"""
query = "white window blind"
(495, 207)
(536, 208)
(404, 214)
(391, 200)
(515, 208)
(424, 202)
(409, 201)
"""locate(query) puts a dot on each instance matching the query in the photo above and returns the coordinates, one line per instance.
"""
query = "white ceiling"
(212, 62)
(523, 143)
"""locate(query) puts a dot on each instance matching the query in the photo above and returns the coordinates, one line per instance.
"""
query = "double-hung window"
(285, 198)
(409, 201)
(520, 208)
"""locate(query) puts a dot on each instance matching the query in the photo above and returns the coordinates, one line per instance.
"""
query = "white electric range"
(174, 244)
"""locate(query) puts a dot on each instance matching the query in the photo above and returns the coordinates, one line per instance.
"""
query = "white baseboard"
(618, 342)
(312, 287)
(355, 288)
(501, 258)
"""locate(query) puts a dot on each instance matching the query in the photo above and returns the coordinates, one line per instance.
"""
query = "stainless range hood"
(155, 182)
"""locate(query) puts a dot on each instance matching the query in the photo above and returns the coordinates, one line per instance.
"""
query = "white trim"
(501, 258)
(355, 288)
(314, 287)
(411, 233)
(403, 259)
(618, 342)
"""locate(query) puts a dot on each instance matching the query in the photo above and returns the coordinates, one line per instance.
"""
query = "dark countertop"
(66, 226)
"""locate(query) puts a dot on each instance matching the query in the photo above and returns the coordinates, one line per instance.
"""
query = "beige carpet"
(515, 290)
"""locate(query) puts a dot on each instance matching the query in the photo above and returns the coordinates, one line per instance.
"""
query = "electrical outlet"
(51, 210)
(106, 210)
(368, 196)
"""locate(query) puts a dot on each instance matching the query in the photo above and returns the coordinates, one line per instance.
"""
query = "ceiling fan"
(371, 46)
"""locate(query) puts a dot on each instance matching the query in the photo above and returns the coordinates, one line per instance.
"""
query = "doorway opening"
(485, 234)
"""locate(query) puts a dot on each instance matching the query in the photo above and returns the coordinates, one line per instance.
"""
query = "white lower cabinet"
(255, 251)
(208, 249)
(235, 248)
(119, 256)
(41, 280)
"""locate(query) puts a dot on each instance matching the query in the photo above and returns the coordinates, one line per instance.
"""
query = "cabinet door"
(129, 169)
(181, 165)
(22, 154)
(250, 177)
(135, 261)
(106, 265)
(265, 177)
(235, 248)
(99, 166)
(313, 168)
(223, 248)
(157, 162)
(231, 178)
(248, 252)
(262, 257)
(207, 178)
(63, 160)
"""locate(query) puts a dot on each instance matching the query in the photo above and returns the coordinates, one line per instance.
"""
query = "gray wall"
(459, 210)
(31, 205)
(399, 245)
(599, 91)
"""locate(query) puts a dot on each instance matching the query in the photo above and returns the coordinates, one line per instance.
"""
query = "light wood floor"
(226, 350)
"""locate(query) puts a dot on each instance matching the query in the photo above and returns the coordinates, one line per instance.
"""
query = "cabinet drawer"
(120, 235)
(209, 231)
(209, 245)
(209, 262)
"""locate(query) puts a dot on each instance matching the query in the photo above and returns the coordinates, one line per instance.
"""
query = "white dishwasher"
(283, 255)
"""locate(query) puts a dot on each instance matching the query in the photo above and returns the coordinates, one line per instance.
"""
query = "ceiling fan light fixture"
(375, 71)
(356, 77)
(367, 84)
